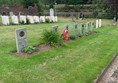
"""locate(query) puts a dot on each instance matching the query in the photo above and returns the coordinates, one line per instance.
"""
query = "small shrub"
(52, 38)
(13, 24)
(27, 21)
(72, 37)
(29, 50)
(36, 23)
(47, 20)
(22, 22)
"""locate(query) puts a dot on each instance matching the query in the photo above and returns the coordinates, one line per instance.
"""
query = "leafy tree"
(40, 8)
(110, 7)
(27, 3)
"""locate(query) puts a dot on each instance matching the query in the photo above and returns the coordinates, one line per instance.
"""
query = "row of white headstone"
(32, 19)
(98, 23)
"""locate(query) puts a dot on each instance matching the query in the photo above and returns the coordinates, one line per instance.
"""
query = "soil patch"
(39, 49)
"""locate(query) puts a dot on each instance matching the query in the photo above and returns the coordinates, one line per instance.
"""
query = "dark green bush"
(27, 21)
(47, 20)
(22, 22)
(72, 37)
(52, 38)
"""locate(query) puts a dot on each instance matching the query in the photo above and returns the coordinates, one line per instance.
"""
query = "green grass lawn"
(80, 61)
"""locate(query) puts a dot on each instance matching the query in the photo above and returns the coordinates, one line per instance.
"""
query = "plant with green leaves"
(52, 38)
(47, 20)
(72, 37)
(29, 49)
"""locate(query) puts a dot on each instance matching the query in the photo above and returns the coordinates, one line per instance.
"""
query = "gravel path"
(111, 74)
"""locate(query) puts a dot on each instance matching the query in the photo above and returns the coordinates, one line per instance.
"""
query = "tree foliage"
(27, 3)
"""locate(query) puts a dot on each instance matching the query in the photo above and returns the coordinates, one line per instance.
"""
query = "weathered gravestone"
(75, 30)
(67, 27)
(82, 29)
(92, 27)
(15, 19)
(21, 39)
(114, 21)
(55, 28)
(97, 24)
(72, 17)
(87, 27)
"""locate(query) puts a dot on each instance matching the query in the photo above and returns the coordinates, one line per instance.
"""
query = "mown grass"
(80, 61)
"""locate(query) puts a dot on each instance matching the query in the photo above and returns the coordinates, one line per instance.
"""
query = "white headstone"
(52, 19)
(42, 18)
(5, 20)
(97, 24)
(48, 17)
(36, 19)
(21, 39)
(51, 12)
(100, 23)
(23, 19)
(31, 19)
(15, 19)
(56, 19)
